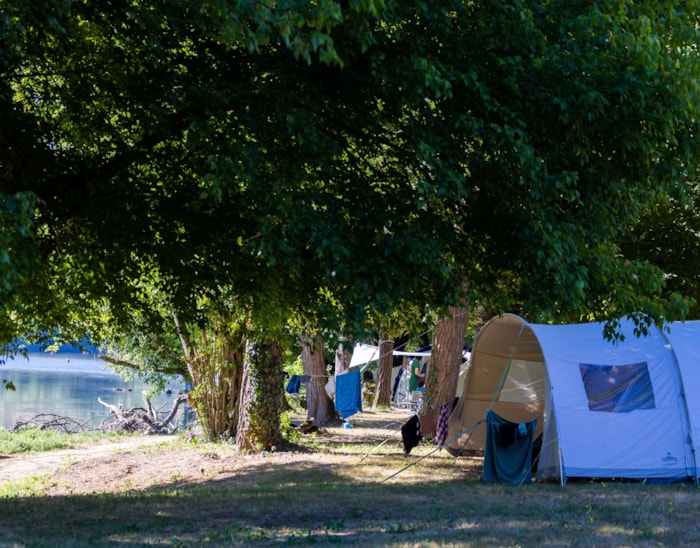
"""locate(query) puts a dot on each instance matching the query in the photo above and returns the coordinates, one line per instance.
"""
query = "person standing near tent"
(416, 375)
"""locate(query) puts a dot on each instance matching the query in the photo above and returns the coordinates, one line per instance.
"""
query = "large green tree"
(339, 159)
(668, 235)
(546, 146)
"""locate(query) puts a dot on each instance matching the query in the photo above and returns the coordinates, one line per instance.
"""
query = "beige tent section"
(506, 375)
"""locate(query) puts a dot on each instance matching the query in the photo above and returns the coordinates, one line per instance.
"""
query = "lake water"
(68, 385)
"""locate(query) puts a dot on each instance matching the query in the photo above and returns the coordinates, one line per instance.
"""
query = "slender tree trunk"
(448, 345)
(214, 357)
(318, 404)
(382, 390)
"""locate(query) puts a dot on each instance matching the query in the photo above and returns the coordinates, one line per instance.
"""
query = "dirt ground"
(20, 466)
(138, 463)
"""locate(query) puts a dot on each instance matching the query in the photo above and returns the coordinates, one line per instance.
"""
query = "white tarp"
(364, 353)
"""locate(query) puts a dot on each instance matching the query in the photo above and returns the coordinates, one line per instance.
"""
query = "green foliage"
(667, 236)
(214, 352)
(289, 434)
(295, 367)
(561, 148)
(336, 160)
(28, 487)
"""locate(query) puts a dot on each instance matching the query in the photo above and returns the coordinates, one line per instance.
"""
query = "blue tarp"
(348, 393)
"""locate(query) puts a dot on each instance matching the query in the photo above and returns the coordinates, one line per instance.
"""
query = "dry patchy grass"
(331, 488)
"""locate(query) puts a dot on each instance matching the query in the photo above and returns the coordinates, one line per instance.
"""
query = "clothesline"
(396, 350)
(371, 353)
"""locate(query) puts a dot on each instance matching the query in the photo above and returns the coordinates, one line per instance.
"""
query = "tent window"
(618, 388)
(524, 382)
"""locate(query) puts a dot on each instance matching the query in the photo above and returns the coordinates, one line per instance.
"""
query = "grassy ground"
(334, 487)
(31, 441)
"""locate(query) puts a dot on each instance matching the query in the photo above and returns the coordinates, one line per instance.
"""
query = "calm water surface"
(68, 384)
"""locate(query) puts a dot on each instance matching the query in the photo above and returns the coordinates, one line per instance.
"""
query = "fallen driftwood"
(140, 420)
(48, 421)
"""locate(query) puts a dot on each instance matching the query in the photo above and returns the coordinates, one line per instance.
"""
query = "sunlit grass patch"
(27, 487)
(29, 440)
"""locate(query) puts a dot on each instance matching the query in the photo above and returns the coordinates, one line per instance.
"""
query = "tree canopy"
(668, 236)
(337, 158)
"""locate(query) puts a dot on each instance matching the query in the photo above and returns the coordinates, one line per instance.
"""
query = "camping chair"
(417, 398)
(403, 400)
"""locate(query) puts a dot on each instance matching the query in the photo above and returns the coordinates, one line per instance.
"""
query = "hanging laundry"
(348, 393)
(330, 387)
(441, 435)
(293, 385)
(508, 450)
(410, 434)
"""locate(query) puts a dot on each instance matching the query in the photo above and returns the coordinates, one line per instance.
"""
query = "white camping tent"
(625, 410)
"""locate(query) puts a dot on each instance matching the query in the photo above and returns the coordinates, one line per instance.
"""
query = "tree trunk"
(342, 359)
(214, 357)
(318, 404)
(448, 345)
(262, 399)
(243, 426)
(382, 390)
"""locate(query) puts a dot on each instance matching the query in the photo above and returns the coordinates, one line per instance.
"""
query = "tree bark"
(318, 404)
(382, 390)
(262, 399)
(448, 345)
(243, 426)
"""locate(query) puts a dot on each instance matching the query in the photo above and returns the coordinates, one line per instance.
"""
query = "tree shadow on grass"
(330, 503)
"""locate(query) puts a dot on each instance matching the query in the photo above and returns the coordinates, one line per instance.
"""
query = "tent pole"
(562, 479)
